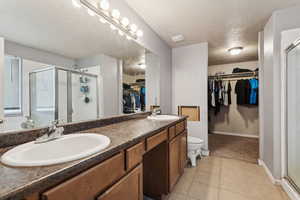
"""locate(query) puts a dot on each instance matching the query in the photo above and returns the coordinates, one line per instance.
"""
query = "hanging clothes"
(227, 93)
(242, 90)
(253, 100)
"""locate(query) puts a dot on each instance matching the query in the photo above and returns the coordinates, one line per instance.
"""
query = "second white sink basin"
(163, 117)
(67, 148)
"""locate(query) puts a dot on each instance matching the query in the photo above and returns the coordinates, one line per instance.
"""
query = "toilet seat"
(194, 149)
(194, 140)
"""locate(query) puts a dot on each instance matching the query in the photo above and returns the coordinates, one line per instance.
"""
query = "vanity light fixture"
(120, 33)
(133, 28)
(115, 13)
(90, 12)
(125, 21)
(76, 3)
(113, 27)
(235, 51)
(140, 33)
(102, 20)
(142, 66)
(128, 37)
(104, 4)
(113, 18)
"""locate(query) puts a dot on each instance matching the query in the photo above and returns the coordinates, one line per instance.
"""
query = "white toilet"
(194, 149)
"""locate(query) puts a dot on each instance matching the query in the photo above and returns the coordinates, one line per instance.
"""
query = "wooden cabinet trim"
(134, 155)
(155, 140)
(172, 132)
(91, 182)
(180, 127)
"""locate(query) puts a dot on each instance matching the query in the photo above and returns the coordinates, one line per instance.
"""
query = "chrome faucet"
(156, 111)
(52, 133)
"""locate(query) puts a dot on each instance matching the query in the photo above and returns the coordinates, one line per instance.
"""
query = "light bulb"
(113, 27)
(133, 28)
(125, 21)
(143, 66)
(115, 13)
(76, 3)
(139, 33)
(102, 20)
(90, 12)
(235, 51)
(104, 4)
(121, 32)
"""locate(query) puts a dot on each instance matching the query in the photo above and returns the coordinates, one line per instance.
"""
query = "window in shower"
(293, 116)
(12, 85)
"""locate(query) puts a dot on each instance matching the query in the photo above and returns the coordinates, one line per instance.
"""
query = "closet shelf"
(235, 75)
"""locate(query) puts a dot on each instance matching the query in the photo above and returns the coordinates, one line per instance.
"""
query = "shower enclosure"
(62, 94)
(293, 115)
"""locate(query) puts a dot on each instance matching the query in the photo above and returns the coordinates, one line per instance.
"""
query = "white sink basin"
(67, 148)
(163, 117)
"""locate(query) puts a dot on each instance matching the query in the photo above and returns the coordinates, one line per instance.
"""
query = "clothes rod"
(235, 75)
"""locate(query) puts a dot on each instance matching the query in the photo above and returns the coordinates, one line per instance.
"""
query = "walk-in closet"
(233, 102)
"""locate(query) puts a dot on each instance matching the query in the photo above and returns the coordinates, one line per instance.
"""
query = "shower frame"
(285, 149)
(69, 89)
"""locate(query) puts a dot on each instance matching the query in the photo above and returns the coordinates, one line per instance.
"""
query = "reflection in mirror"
(134, 90)
(68, 69)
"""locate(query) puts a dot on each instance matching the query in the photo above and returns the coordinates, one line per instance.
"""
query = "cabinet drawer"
(155, 140)
(128, 188)
(88, 184)
(180, 127)
(134, 155)
(172, 132)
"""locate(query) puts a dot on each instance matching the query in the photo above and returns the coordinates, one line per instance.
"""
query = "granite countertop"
(16, 183)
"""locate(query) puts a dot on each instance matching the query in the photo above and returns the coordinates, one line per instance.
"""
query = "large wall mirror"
(61, 63)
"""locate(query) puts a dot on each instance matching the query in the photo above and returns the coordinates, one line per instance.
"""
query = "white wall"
(189, 77)
(156, 45)
(234, 119)
(280, 21)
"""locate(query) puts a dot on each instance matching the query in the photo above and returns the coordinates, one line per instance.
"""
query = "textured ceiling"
(131, 65)
(222, 23)
(56, 26)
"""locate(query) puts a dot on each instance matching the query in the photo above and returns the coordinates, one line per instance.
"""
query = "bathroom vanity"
(145, 157)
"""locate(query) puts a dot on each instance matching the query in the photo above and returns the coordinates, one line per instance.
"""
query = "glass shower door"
(293, 116)
(42, 97)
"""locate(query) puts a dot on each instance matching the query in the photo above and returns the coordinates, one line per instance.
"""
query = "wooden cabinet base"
(156, 171)
(128, 188)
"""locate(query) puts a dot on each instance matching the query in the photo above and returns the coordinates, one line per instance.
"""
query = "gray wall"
(189, 77)
(280, 21)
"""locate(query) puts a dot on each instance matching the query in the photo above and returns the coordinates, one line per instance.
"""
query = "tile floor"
(217, 178)
(240, 148)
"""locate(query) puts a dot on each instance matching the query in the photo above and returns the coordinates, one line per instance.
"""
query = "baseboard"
(234, 134)
(289, 190)
(274, 181)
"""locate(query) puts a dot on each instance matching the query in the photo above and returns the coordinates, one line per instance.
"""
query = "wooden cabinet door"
(183, 151)
(174, 162)
(128, 188)
(89, 184)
